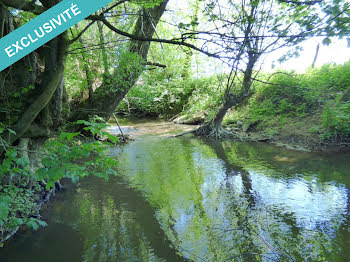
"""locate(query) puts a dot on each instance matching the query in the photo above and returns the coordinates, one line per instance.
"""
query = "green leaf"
(114, 139)
(55, 174)
(213, 17)
(181, 25)
(18, 221)
(41, 223)
(12, 131)
(68, 136)
(83, 122)
(41, 173)
(32, 223)
(327, 41)
(22, 161)
(5, 202)
(48, 161)
(11, 153)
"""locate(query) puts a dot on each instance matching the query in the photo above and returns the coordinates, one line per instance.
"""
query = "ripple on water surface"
(192, 199)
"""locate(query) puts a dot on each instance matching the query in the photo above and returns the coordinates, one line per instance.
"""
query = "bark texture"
(52, 77)
(213, 128)
(115, 86)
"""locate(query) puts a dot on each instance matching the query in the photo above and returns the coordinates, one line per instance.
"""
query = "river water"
(190, 199)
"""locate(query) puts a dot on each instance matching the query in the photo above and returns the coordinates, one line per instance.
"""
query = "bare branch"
(143, 39)
(295, 2)
(81, 33)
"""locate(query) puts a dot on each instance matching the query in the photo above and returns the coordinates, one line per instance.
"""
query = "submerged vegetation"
(198, 64)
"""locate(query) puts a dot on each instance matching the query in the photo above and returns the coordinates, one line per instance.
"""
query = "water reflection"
(112, 223)
(237, 201)
(190, 199)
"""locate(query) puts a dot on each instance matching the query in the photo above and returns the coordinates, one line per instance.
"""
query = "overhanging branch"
(81, 32)
(145, 39)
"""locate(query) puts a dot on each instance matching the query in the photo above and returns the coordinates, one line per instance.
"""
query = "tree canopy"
(141, 56)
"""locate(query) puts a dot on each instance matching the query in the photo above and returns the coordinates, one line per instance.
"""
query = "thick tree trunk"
(115, 87)
(52, 77)
(213, 128)
(103, 48)
(86, 65)
(57, 103)
(219, 117)
(316, 55)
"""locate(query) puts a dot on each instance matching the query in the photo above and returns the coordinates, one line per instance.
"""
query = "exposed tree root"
(211, 130)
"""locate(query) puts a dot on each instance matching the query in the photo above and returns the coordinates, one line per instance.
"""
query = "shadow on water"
(26, 246)
(252, 200)
(326, 176)
(188, 198)
(96, 220)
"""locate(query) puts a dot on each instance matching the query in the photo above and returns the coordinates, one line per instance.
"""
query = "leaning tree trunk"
(38, 82)
(131, 64)
(52, 77)
(214, 128)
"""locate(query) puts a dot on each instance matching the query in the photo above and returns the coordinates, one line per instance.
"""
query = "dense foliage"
(70, 155)
(130, 58)
(279, 99)
(319, 94)
(166, 98)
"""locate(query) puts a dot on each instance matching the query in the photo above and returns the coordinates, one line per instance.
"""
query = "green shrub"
(336, 120)
(65, 156)
(319, 93)
(161, 97)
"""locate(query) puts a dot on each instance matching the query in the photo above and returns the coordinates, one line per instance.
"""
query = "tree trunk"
(54, 69)
(316, 55)
(114, 88)
(88, 73)
(214, 128)
(103, 48)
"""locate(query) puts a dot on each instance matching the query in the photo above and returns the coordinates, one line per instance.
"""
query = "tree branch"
(81, 33)
(90, 24)
(155, 64)
(301, 2)
(143, 39)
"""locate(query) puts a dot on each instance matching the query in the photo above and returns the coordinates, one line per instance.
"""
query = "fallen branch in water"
(116, 120)
(185, 133)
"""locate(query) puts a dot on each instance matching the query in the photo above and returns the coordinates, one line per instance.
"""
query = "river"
(190, 199)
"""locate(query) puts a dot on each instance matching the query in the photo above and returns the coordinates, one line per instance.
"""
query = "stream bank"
(194, 199)
(296, 133)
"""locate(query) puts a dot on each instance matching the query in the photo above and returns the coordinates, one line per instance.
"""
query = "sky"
(338, 52)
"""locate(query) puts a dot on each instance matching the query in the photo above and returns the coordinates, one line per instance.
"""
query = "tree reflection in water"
(189, 199)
